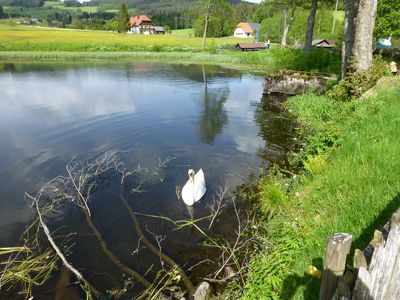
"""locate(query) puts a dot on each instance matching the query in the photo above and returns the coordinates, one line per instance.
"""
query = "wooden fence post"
(337, 249)
(381, 279)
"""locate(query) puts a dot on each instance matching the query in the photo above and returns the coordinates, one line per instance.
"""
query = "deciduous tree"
(363, 39)
(388, 18)
(310, 26)
(358, 38)
(287, 7)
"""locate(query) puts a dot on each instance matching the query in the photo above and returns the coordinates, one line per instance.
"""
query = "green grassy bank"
(258, 62)
(40, 43)
(270, 61)
(351, 184)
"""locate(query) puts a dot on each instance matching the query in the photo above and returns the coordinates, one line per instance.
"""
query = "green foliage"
(72, 3)
(23, 3)
(272, 193)
(319, 117)
(242, 12)
(355, 84)
(272, 26)
(316, 164)
(270, 268)
(123, 19)
(387, 19)
(271, 16)
(318, 60)
(220, 21)
(111, 25)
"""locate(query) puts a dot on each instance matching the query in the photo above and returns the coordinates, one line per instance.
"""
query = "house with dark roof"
(141, 25)
(246, 29)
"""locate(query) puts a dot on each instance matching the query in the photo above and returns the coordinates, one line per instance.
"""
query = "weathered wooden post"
(381, 279)
(337, 249)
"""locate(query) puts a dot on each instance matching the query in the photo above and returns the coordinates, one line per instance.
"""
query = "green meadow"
(29, 38)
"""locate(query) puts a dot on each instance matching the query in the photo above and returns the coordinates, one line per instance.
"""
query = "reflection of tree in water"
(213, 117)
(196, 72)
(8, 67)
(277, 131)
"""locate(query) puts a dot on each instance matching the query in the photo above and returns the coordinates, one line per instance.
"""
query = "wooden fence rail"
(380, 280)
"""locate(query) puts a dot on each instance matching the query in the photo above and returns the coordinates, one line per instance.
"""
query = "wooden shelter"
(322, 43)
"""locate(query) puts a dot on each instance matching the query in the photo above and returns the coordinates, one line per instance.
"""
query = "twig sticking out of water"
(178, 191)
(159, 240)
(218, 204)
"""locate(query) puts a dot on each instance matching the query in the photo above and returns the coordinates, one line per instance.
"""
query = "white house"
(141, 25)
(244, 30)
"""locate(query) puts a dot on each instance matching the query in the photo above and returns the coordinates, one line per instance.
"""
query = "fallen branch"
(54, 245)
(152, 248)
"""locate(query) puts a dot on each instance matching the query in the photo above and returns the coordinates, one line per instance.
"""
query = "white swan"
(195, 187)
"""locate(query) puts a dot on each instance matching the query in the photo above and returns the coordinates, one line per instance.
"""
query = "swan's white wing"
(187, 193)
(199, 185)
(199, 174)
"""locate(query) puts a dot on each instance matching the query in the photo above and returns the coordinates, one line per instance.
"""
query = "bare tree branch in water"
(136, 251)
(178, 192)
(83, 180)
(218, 204)
(150, 245)
(159, 240)
(77, 188)
(35, 202)
(230, 254)
(82, 176)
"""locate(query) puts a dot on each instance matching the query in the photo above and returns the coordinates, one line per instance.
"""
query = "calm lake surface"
(198, 116)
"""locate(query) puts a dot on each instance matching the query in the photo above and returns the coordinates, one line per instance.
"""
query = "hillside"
(155, 4)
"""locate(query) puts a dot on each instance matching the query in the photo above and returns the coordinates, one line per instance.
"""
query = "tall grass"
(318, 60)
(356, 192)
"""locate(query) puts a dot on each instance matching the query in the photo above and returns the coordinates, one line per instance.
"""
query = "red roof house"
(246, 29)
(141, 24)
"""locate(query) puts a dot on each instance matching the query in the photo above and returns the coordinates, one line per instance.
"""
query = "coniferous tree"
(123, 19)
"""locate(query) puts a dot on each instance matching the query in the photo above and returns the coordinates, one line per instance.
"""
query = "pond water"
(195, 116)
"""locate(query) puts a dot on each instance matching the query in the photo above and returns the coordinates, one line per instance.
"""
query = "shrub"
(318, 60)
(356, 84)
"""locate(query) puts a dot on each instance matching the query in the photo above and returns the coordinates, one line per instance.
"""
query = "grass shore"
(255, 63)
(350, 186)
(36, 43)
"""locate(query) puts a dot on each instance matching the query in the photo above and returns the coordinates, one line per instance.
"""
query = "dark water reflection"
(203, 117)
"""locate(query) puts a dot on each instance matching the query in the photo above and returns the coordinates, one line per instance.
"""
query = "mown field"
(22, 38)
